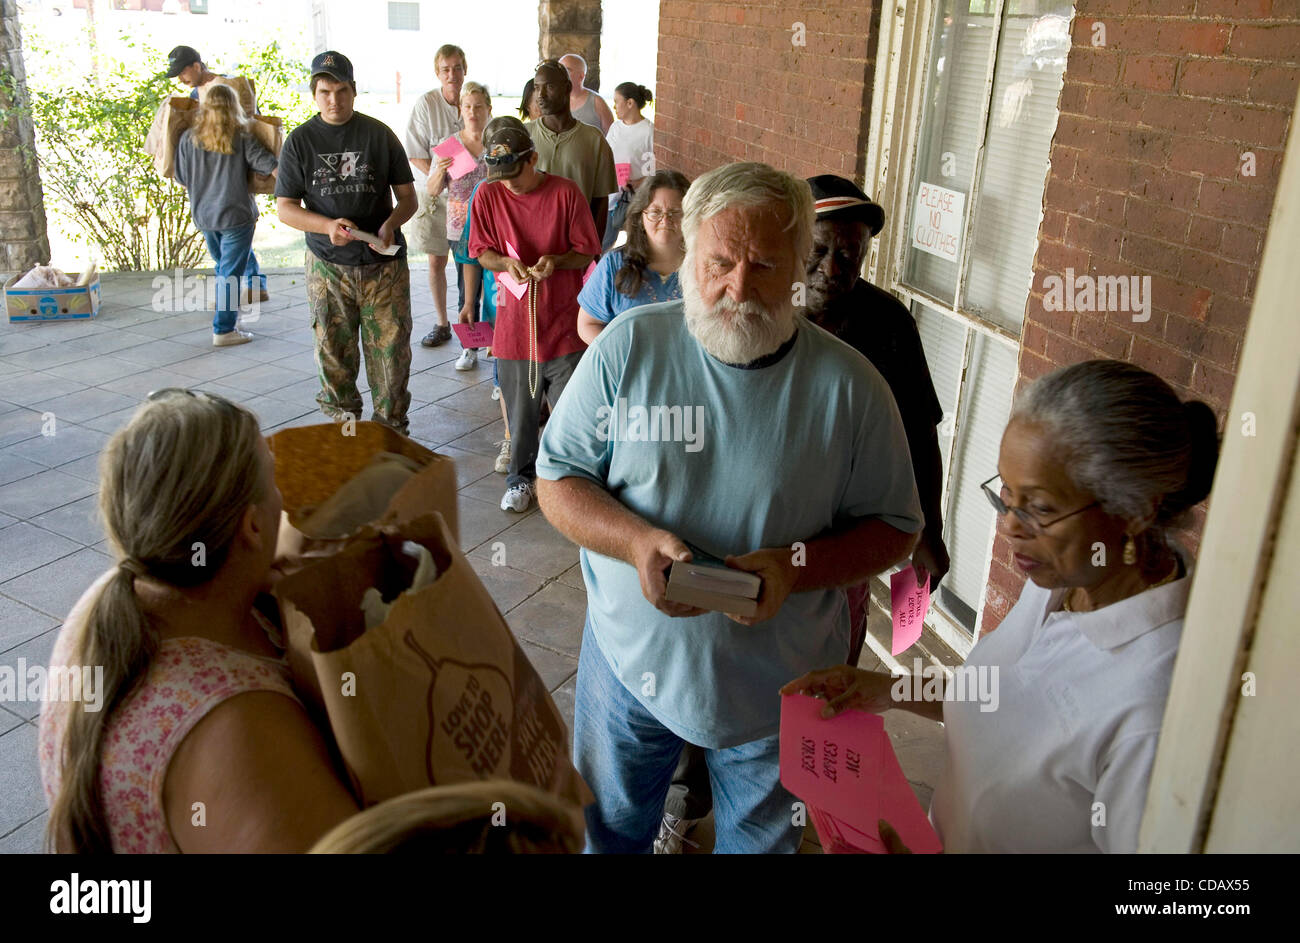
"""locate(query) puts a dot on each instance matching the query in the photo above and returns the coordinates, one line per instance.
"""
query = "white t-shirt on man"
(432, 121)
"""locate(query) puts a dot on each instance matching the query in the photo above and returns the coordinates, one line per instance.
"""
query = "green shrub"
(100, 186)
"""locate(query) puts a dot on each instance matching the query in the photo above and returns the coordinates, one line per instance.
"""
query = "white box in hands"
(713, 585)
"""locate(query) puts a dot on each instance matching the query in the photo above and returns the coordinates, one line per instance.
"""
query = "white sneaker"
(231, 339)
(503, 458)
(468, 359)
(496, 393)
(518, 497)
(672, 833)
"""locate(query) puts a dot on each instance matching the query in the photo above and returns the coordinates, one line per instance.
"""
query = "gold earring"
(1130, 550)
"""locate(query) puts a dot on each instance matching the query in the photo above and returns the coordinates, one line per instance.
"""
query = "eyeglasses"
(1031, 522)
(658, 216)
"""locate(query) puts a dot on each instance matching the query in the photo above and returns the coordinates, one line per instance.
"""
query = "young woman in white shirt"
(631, 138)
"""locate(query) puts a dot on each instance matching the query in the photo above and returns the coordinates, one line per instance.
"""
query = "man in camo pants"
(375, 302)
(346, 168)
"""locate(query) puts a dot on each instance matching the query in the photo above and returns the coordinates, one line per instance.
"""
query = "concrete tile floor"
(66, 386)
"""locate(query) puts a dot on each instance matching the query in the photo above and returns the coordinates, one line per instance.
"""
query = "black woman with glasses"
(1051, 747)
(190, 738)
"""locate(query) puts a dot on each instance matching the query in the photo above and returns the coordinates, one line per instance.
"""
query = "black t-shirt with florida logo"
(345, 171)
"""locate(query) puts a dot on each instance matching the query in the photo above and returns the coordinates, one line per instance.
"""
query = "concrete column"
(571, 26)
(23, 240)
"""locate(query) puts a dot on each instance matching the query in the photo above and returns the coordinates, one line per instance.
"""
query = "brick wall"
(1146, 179)
(734, 85)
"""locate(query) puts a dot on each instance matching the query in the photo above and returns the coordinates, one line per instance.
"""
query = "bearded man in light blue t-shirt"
(729, 423)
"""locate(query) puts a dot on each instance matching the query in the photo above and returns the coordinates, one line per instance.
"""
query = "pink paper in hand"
(846, 769)
(587, 274)
(512, 284)
(462, 161)
(624, 173)
(832, 764)
(838, 838)
(908, 604)
(478, 334)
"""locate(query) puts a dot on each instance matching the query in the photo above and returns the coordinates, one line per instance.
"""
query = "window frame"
(903, 57)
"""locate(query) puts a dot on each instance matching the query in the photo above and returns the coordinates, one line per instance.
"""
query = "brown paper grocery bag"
(439, 693)
(174, 115)
(242, 87)
(269, 131)
(313, 462)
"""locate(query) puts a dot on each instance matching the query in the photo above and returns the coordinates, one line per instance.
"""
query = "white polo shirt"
(1081, 696)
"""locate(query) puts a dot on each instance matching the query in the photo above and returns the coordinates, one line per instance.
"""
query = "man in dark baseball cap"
(344, 180)
(537, 229)
(180, 58)
(506, 146)
(881, 328)
(334, 64)
(185, 63)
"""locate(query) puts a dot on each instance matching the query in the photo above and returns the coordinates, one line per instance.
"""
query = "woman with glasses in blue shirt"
(644, 270)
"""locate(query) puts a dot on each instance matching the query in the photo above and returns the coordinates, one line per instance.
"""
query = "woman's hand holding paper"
(844, 687)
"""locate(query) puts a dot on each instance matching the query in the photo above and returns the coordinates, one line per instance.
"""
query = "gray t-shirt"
(218, 183)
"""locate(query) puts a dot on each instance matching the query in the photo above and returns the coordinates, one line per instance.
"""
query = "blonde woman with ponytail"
(213, 160)
(196, 741)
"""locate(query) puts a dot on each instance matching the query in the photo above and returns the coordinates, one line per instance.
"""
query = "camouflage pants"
(372, 304)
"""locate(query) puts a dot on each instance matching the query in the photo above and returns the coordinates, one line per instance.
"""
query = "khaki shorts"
(426, 233)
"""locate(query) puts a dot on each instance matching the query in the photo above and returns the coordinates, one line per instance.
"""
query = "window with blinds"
(1001, 210)
(974, 376)
(404, 16)
(976, 195)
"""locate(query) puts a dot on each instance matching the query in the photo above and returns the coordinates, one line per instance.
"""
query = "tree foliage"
(99, 184)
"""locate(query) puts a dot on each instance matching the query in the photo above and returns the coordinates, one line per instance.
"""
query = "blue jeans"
(614, 224)
(231, 251)
(627, 758)
(253, 277)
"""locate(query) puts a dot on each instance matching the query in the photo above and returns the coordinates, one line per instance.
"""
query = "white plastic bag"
(44, 276)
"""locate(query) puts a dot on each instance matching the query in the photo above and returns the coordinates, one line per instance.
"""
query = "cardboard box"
(79, 303)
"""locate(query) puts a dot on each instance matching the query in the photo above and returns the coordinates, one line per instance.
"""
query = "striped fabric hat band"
(831, 203)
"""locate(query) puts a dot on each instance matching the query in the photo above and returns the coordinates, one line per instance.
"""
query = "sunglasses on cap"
(506, 159)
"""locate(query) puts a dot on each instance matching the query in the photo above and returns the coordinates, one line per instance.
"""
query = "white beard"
(733, 332)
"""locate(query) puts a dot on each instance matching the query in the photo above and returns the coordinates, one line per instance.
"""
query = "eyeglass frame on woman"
(657, 216)
(1033, 523)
